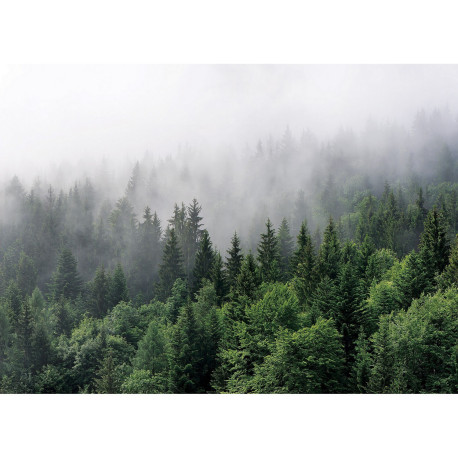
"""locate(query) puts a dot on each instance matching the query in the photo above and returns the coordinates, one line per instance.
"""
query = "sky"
(77, 114)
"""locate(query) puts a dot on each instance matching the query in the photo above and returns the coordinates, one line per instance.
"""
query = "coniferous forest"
(296, 266)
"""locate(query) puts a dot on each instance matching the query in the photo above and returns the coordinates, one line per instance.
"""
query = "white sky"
(50, 114)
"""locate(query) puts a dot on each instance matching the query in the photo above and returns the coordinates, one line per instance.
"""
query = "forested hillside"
(324, 268)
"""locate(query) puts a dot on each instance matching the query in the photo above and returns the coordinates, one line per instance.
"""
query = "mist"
(54, 115)
(248, 142)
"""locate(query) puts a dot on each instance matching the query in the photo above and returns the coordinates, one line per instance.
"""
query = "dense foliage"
(95, 301)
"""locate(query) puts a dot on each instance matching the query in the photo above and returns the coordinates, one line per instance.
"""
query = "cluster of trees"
(295, 316)
(351, 286)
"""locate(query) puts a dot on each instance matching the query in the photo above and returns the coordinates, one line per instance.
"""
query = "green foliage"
(309, 360)
(268, 255)
(171, 267)
(66, 281)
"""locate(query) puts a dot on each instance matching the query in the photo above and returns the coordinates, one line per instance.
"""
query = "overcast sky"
(50, 114)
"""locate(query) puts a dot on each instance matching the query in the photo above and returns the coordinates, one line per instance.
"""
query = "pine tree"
(26, 328)
(14, 300)
(100, 291)
(450, 275)
(148, 248)
(434, 246)
(171, 267)
(303, 266)
(26, 274)
(233, 261)
(329, 255)
(268, 255)
(204, 261)
(184, 353)
(118, 287)
(248, 279)
(219, 279)
(285, 246)
(363, 362)
(66, 280)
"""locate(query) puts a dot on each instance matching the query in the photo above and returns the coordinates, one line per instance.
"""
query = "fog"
(248, 142)
(50, 115)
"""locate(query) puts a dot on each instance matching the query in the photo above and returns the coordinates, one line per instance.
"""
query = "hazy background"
(71, 114)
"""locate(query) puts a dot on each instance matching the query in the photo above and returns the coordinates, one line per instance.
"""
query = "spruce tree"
(248, 279)
(268, 255)
(219, 279)
(434, 245)
(233, 261)
(100, 292)
(184, 353)
(285, 246)
(450, 275)
(171, 266)
(303, 266)
(26, 274)
(66, 281)
(204, 261)
(329, 255)
(118, 287)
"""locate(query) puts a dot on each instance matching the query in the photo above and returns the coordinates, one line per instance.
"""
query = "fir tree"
(434, 245)
(303, 266)
(205, 258)
(268, 255)
(248, 279)
(118, 287)
(219, 279)
(100, 290)
(66, 281)
(171, 267)
(233, 261)
(285, 246)
(329, 255)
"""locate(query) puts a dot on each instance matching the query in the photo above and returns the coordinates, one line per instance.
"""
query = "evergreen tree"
(233, 261)
(329, 255)
(177, 299)
(303, 266)
(171, 267)
(248, 279)
(450, 275)
(100, 290)
(434, 246)
(26, 328)
(285, 246)
(184, 353)
(118, 287)
(268, 255)
(219, 279)
(13, 298)
(66, 280)
(26, 274)
(205, 258)
(363, 362)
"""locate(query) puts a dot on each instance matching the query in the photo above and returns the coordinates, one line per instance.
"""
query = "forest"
(296, 266)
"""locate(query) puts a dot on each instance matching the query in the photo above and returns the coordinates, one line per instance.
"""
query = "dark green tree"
(66, 280)
(218, 276)
(171, 267)
(285, 247)
(205, 258)
(100, 292)
(329, 255)
(118, 291)
(268, 255)
(233, 261)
